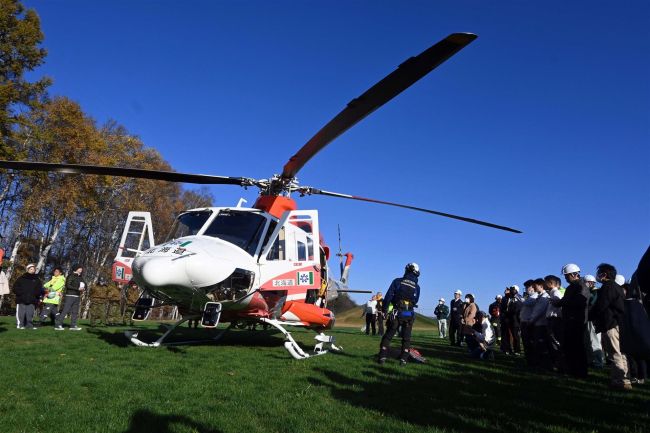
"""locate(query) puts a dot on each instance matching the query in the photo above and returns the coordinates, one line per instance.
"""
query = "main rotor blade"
(392, 85)
(137, 173)
(308, 190)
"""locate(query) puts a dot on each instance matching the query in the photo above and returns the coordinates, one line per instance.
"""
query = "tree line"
(54, 219)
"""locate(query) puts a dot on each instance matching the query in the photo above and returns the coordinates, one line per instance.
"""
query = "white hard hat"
(516, 287)
(441, 300)
(590, 278)
(620, 279)
(458, 292)
(570, 268)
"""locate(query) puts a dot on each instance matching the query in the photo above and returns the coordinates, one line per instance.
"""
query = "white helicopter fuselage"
(246, 259)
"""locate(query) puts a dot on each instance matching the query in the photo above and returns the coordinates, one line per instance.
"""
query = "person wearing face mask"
(555, 325)
(574, 318)
(607, 314)
(469, 314)
(442, 312)
(28, 291)
(526, 325)
(455, 318)
(595, 349)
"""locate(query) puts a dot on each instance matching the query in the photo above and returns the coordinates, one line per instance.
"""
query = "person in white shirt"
(371, 316)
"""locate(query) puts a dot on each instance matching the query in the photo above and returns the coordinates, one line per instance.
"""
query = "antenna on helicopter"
(340, 253)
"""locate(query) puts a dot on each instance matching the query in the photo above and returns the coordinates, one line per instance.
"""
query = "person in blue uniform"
(399, 307)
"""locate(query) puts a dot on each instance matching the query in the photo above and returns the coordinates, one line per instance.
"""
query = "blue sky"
(542, 123)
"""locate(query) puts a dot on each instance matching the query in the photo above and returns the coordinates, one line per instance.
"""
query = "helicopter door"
(290, 260)
(136, 238)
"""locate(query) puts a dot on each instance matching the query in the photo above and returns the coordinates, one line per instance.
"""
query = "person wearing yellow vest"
(52, 298)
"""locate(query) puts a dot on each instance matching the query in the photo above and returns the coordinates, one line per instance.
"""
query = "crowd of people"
(566, 330)
(51, 301)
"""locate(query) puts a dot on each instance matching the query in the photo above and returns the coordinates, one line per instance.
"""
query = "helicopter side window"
(302, 251)
(243, 229)
(188, 224)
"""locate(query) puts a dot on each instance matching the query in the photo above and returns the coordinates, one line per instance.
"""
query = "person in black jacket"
(606, 314)
(455, 318)
(574, 318)
(403, 295)
(510, 322)
(28, 291)
(74, 287)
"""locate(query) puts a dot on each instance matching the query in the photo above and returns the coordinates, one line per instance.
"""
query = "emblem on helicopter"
(243, 267)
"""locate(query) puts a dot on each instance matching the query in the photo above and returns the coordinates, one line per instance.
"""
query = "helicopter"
(266, 263)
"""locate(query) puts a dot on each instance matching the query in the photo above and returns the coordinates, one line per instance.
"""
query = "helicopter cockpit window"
(188, 224)
(242, 229)
(278, 250)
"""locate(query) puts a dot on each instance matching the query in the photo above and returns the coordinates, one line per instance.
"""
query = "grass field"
(93, 381)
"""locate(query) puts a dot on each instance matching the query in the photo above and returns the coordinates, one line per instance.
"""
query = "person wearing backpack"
(403, 295)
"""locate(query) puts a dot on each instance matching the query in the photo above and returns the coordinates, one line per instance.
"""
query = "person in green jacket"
(52, 299)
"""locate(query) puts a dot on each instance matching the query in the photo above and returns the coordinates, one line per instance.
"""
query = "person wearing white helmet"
(455, 319)
(442, 313)
(403, 294)
(607, 315)
(574, 318)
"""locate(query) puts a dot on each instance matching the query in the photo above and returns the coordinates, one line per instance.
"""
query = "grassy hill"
(93, 381)
(352, 318)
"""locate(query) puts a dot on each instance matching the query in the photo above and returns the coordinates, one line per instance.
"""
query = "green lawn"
(93, 381)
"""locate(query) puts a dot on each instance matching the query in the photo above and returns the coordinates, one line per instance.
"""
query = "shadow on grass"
(194, 337)
(460, 394)
(146, 421)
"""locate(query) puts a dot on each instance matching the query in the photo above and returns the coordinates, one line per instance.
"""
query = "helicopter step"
(133, 336)
(324, 344)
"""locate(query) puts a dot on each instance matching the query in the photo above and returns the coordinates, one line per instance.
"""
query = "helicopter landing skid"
(133, 337)
(324, 344)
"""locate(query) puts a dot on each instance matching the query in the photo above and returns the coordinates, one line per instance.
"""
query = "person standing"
(555, 325)
(593, 338)
(371, 315)
(455, 318)
(53, 297)
(510, 308)
(574, 319)
(28, 292)
(380, 313)
(442, 313)
(403, 295)
(469, 315)
(539, 326)
(494, 311)
(526, 325)
(74, 287)
(607, 314)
